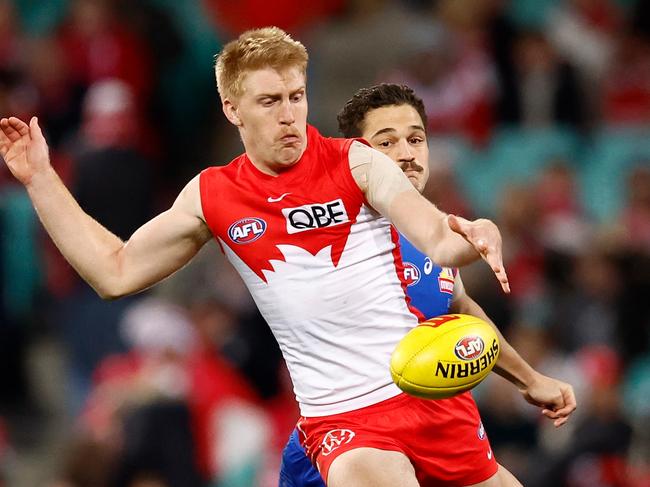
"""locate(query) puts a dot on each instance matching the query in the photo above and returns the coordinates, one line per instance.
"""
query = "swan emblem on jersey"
(411, 274)
(247, 230)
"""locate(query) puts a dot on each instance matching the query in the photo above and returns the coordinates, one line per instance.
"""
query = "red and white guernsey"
(322, 267)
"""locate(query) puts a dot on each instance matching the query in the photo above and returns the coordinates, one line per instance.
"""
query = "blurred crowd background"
(539, 117)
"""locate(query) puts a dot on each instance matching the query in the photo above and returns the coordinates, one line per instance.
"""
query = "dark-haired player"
(392, 118)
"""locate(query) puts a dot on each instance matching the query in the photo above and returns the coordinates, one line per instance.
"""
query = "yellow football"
(444, 356)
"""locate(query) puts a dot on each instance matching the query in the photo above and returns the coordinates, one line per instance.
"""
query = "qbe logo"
(246, 230)
(314, 216)
(411, 274)
(469, 347)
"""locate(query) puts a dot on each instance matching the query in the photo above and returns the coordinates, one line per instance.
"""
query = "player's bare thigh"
(503, 478)
(371, 467)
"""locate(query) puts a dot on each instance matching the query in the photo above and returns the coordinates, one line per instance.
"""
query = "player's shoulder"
(232, 166)
(188, 201)
(218, 177)
(360, 154)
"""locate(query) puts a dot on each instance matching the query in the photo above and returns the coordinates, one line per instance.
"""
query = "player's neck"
(273, 168)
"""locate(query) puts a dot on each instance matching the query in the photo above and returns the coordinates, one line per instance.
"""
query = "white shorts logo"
(335, 438)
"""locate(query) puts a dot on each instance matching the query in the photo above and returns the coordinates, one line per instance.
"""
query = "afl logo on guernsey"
(469, 347)
(246, 230)
(411, 274)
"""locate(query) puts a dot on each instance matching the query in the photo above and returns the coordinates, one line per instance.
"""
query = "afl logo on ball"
(469, 347)
(411, 274)
(246, 230)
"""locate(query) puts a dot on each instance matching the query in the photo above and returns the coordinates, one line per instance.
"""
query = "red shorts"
(444, 439)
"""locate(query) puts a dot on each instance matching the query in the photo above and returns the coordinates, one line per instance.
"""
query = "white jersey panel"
(336, 326)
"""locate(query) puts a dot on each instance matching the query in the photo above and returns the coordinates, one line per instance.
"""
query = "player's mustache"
(411, 166)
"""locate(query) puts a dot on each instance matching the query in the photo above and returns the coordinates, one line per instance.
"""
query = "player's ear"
(231, 113)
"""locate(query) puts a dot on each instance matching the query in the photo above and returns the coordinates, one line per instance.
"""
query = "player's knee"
(371, 467)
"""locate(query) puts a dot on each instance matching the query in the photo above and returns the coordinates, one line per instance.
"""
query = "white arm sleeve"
(377, 175)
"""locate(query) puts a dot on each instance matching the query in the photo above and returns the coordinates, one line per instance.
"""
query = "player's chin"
(417, 183)
(289, 154)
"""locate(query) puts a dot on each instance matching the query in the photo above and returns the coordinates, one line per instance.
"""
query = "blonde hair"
(268, 47)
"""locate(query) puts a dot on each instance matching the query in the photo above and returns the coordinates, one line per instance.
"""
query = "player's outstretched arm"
(447, 240)
(556, 398)
(112, 267)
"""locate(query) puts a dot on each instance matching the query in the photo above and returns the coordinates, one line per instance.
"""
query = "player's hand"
(556, 398)
(23, 148)
(486, 239)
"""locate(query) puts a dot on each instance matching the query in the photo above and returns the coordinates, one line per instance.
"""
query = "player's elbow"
(110, 289)
(115, 281)
(109, 294)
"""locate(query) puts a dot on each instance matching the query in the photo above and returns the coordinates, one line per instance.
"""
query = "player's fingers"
(560, 422)
(4, 124)
(454, 223)
(502, 277)
(549, 413)
(569, 400)
(35, 128)
(505, 284)
(565, 411)
(21, 127)
(15, 129)
(4, 140)
(495, 262)
(560, 416)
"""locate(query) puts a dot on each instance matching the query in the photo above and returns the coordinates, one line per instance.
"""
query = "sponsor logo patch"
(481, 431)
(336, 438)
(411, 274)
(446, 280)
(315, 216)
(270, 199)
(246, 230)
(428, 266)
